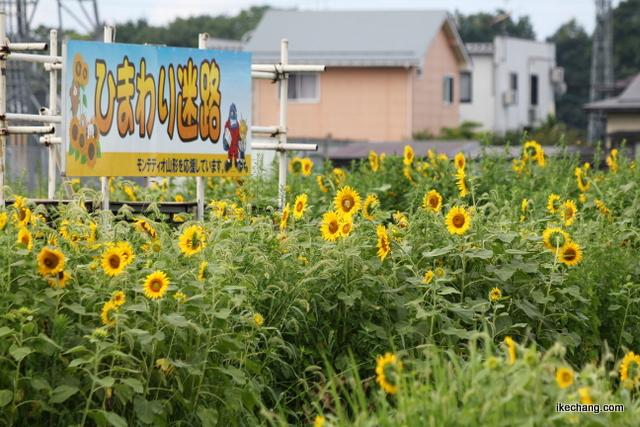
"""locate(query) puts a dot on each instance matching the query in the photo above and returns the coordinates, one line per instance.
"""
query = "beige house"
(623, 116)
(389, 74)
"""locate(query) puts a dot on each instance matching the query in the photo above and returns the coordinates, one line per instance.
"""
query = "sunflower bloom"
(428, 276)
(143, 225)
(119, 298)
(387, 372)
(319, 421)
(258, 319)
(459, 161)
(202, 273)
(568, 211)
(155, 284)
(127, 252)
(295, 165)
(374, 161)
(3, 220)
(432, 201)
(24, 237)
(495, 294)
(285, 217)
(462, 182)
(330, 226)
(112, 261)
(59, 280)
(369, 205)
(109, 309)
(511, 349)
(564, 377)
(408, 155)
(307, 165)
(554, 238)
(585, 399)
(583, 184)
(570, 254)
(384, 244)
(458, 221)
(345, 226)
(50, 261)
(192, 240)
(299, 206)
(553, 204)
(630, 370)
(320, 180)
(180, 298)
(347, 201)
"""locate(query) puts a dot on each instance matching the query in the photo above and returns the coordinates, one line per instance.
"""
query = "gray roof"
(627, 102)
(363, 38)
(224, 44)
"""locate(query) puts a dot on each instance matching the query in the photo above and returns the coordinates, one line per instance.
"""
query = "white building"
(512, 85)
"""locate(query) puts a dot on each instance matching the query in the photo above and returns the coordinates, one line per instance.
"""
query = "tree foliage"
(626, 39)
(482, 27)
(573, 52)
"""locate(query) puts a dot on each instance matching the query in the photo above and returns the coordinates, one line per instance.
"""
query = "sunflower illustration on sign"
(83, 133)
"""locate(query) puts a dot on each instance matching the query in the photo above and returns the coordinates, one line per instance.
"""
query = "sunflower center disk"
(347, 204)
(155, 285)
(114, 261)
(458, 221)
(51, 262)
(570, 255)
(333, 227)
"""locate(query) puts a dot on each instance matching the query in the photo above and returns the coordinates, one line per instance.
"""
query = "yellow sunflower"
(295, 165)
(130, 192)
(384, 244)
(178, 198)
(155, 284)
(119, 298)
(564, 377)
(511, 348)
(583, 184)
(285, 217)
(307, 165)
(59, 280)
(568, 211)
(630, 370)
(330, 226)
(347, 201)
(458, 221)
(459, 161)
(258, 319)
(570, 254)
(432, 201)
(388, 368)
(109, 309)
(320, 180)
(400, 219)
(585, 399)
(180, 298)
(24, 237)
(345, 226)
(374, 161)
(112, 262)
(127, 252)
(408, 155)
(369, 205)
(50, 261)
(428, 276)
(202, 273)
(299, 206)
(143, 225)
(495, 294)
(3, 220)
(192, 240)
(462, 182)
(553, 238)
(553, 204)
(319, 421)
(74, 133)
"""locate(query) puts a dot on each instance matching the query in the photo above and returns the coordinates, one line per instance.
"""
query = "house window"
(465, 86)
(302, 88)
(534, 90)
(513, 85)
(447, 90)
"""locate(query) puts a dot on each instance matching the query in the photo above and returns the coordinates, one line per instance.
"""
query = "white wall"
(481, 109)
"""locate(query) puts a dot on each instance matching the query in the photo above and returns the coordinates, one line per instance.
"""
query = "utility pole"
(601, 67)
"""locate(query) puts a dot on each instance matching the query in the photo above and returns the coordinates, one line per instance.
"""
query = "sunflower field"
(399, 291)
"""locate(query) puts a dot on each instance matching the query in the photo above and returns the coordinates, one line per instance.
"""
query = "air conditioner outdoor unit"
(533, 116)
(557, 75)
(510, 97)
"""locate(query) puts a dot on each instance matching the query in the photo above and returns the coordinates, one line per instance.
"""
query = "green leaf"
(146, 411)
(83, 159)
(507, 237)
(4, 331)
(6, 396)
(176, 320)
(115, 419)
(222, 313)
(135, 384)
(105, 382)
(84, 100)
(208, 416)
(19, 353)
(448, 290)
(479, 253)
(438, 252)
(80, 361)
(77, 308)
(530, 309)
(62, 393)
(462, 333)
(350, 299)
(28, 328)
(614, 307)
(238, 376)
(516, 252)
(627, 337)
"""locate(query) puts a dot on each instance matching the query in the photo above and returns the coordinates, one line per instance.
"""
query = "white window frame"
(293, 79)
(448, 96)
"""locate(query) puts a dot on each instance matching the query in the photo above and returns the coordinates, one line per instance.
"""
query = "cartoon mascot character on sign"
(231, 139)
(242, 146)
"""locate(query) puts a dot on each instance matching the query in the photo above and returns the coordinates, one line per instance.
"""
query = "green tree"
(626, 39)
(483, 27)
(573, 52)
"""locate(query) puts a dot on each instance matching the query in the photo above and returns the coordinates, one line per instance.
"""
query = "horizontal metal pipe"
(27, 57)
(50, 139)
(289, 68)
(286, 147)
(264, 75)
(48, 66)
(272, 130)
(28, 46)
(13, 117)
(36, 130)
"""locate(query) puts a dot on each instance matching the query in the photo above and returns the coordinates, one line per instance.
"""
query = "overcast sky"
(546, 15)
